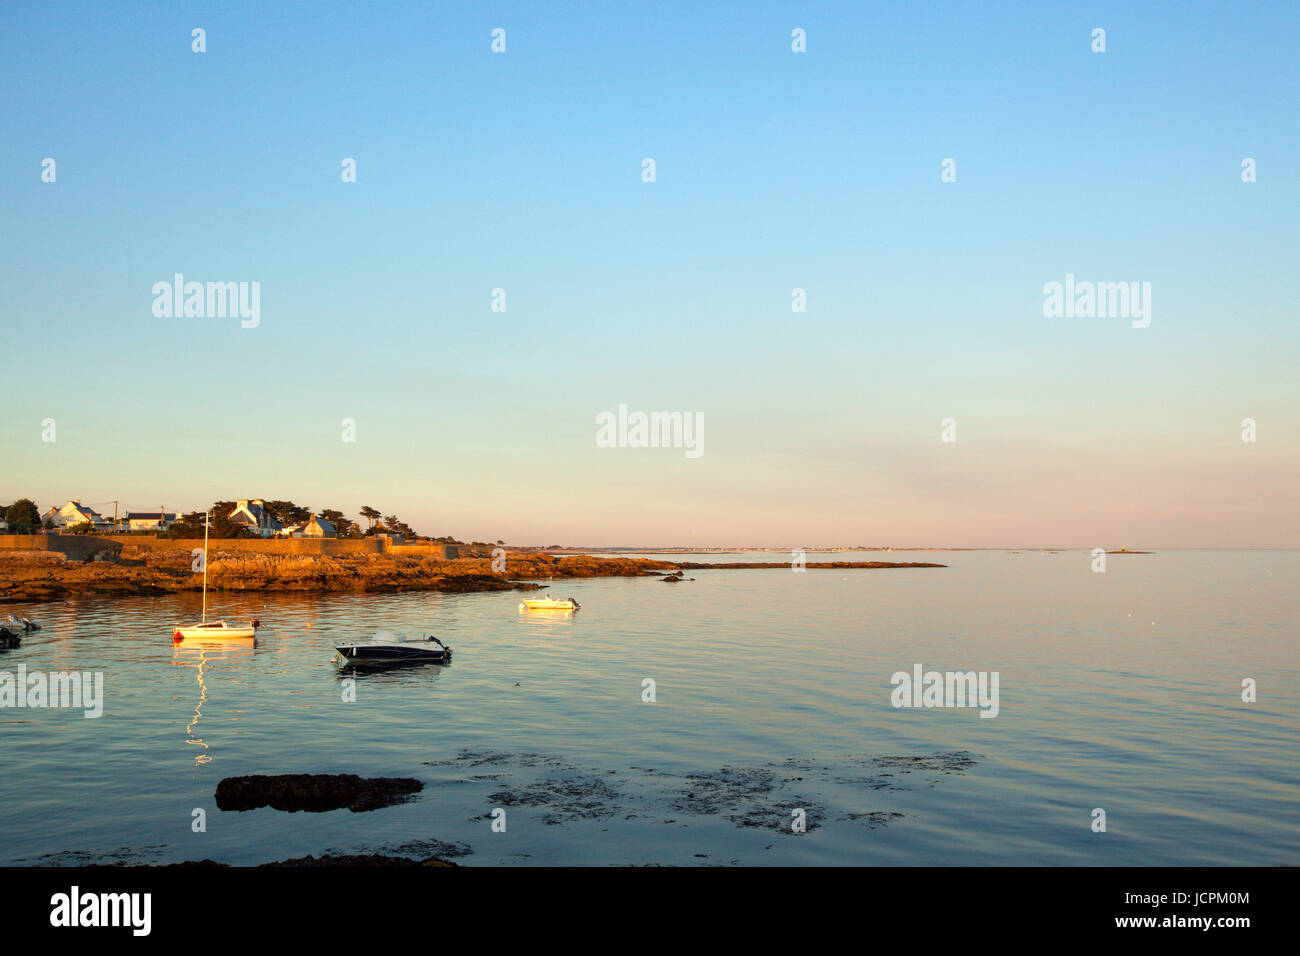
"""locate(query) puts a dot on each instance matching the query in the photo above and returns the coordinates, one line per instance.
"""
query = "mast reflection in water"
(198, 652)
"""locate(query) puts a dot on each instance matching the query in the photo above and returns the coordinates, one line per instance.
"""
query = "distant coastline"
(833, 550)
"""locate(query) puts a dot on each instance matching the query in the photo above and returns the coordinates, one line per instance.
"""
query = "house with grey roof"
(74, 513)
(252, 514)
(319, 527)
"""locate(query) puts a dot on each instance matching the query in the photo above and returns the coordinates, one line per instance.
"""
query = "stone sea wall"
(83, 547)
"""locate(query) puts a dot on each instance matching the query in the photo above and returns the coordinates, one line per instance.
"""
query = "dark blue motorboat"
(387, 647)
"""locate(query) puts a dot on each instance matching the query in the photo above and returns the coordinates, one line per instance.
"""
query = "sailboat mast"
(207, 518)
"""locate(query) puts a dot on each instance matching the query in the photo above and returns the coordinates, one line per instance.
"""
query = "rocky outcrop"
(354, 860)
(755, 565)
(40, 576)
(314, 792)
(359, 860)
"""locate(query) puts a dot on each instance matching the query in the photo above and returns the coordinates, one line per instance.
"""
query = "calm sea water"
(1119, 690)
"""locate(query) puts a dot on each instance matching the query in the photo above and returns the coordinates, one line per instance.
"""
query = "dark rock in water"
(565, 797)
(365, 860)
(8, 639)
(424, 850)
(875, 818)
(314, 792)
(358, 860)
(204, 864)
(184, 865)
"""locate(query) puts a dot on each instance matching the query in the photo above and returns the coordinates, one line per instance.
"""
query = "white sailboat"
(211, 630)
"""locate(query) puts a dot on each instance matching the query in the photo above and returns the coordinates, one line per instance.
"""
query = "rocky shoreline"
(348, 860)
(754, 565)
(37, 576)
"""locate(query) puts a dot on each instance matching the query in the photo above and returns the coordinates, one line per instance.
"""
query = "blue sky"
(775, 170)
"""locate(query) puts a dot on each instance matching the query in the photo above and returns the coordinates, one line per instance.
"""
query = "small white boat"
(387, 647)
(549, 603)
(212, 630)
(215, 630)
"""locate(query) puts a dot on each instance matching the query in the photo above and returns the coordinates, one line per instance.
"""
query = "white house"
(74, 513)
(319, 528)
(151, 520)
(252, 514)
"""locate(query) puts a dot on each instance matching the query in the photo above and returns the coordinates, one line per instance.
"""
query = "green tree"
(395, 525)
(186, 526)
(370, 514)
(343, 525)
(287, 513)
(23, 515)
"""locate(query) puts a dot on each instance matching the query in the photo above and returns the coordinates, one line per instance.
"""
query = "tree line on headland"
(290, 514)
(24, 516)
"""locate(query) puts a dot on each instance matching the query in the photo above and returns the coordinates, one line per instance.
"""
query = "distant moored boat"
(549, 603)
